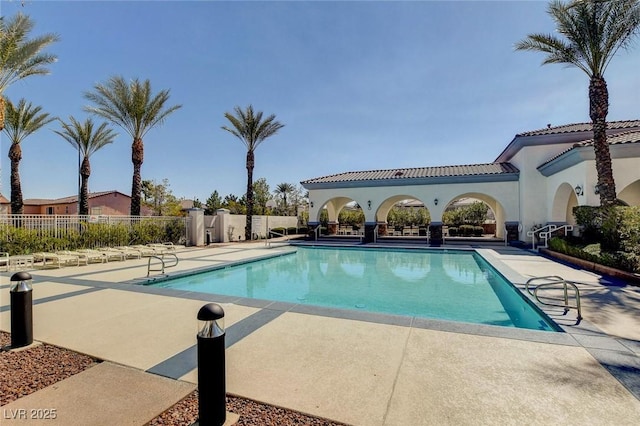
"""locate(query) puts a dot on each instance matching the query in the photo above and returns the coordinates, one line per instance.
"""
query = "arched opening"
(630, 194)
(341, 216)
(564, 201)
(402, 216)
(473, 215)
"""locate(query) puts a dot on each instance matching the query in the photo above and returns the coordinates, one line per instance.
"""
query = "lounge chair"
(82, 258)
(4, 260)
(130, 252)
(145, 251)
(93, 255)
(112, 253)
(56, 260)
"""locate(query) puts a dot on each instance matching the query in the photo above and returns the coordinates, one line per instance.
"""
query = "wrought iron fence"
(30, 233)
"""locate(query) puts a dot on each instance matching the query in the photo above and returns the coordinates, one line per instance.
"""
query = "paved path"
(353, 367)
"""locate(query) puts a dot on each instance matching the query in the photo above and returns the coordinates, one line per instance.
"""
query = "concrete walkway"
(350, 366)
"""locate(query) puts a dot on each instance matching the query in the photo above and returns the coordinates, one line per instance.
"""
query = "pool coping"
(620, 357)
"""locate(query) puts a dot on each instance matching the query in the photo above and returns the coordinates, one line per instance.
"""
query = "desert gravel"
(26, 371)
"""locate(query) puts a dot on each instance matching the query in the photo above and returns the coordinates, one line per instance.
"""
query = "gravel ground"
(24, 372)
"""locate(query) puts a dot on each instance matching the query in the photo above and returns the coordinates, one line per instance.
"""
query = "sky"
(358, 85)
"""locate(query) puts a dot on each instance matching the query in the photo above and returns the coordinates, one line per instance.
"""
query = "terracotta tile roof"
(617, 139)
(3, 200)
(580, 127)
(418, 173)
(65, 200)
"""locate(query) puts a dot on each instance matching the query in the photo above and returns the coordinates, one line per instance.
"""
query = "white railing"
(537, 233)
(96, 231)
(546, 232)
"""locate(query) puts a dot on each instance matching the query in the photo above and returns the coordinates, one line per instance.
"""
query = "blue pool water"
(449, 285)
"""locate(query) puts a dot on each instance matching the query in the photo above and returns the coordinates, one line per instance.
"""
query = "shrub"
(466, 230)
(453, 231)
(478, 231)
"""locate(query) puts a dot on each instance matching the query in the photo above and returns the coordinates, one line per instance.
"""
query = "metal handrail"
(547, 234)
(162, 262)
(540, 231)
(554, 280)
(268, 242)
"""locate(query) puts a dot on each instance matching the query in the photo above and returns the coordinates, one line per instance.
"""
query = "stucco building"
(110, 203)
(537, 179)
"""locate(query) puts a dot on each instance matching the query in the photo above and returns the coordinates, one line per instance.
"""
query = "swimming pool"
(455, 285)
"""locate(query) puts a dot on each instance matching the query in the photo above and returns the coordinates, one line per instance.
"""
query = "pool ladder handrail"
(162, 262)
(554, 280)
(268, 242)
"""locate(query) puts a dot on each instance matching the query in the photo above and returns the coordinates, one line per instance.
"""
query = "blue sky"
(358, 85)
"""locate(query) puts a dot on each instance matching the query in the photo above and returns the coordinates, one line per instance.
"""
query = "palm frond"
(132, 106)
(592, 31)
(24, 119)
(83, 137)
(20, 56)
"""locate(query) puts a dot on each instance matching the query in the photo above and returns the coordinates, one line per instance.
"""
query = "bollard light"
(212, 410)
(21, 291)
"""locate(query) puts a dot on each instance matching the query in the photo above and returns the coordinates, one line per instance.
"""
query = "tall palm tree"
(133, 107)
(87, 141)
(284, 189)
(591, 32)
(20, 56)
(252, 130)
(21, 121)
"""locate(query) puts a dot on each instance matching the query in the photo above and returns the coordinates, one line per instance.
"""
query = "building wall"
(111, 204)
(502, 197)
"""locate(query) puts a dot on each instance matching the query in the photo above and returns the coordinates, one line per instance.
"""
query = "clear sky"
(358, 85)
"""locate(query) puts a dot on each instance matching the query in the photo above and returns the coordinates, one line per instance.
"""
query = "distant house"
(100, 203)
(5, 205)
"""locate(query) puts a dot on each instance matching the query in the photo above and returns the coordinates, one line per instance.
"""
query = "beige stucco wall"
(502, 197)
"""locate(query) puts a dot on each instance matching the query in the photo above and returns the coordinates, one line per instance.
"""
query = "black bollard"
(212, 404)
(21, 310)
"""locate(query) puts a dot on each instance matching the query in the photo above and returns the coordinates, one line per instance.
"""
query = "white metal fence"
(72, 231)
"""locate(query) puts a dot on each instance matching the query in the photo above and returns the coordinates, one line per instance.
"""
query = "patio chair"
(130, 252)
(93, 255)
(55, 260)
(83, 259)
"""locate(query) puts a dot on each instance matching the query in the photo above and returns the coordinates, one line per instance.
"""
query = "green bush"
(18, 240)
(478, 231)
(453, 231)
(466, 230)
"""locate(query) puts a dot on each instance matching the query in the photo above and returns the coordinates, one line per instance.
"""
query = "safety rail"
(554, 281)
(163, 264)
(547, 229)
(268, 242)
(547, 234)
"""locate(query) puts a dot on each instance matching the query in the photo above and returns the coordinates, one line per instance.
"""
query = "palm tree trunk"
(15, 155)
(598, 110)
(3, 105)
(137, 157)
(250, 165)
(85, 172)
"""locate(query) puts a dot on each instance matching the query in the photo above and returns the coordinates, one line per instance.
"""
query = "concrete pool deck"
(348, 366)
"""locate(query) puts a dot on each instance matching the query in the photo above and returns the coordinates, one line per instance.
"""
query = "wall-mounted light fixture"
(311, 204)
(596, 189)
(369, 204)
(578, 190)
(435, 201)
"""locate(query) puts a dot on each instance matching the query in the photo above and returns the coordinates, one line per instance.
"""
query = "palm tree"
(133, 107)
(283, 190)
(87, 141)
(21, 121)
(20, 56)
(252, 130)
(592, 32)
